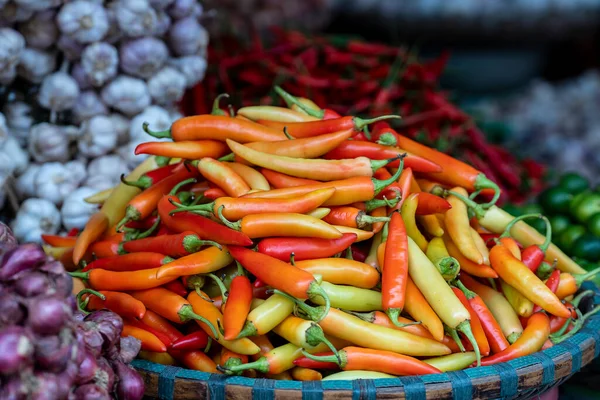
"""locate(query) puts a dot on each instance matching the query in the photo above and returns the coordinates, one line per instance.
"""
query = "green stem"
(512, 223)
(379, 185)
(340, 359)
(228, 157)
(388, 139)
(291, 100)
(162, 161)
(261, 365)
(468, 293)
(157, 134)
(562, 330)
(149, 231)
(374, 204)
(216, 109)
(483, 182)
(315, 314)
(315, 336)
(231, 110)
(493, 283)
(454, 335)
(448, 267)
(248, 330)
(143, 183)
(349, 255)
(465, 328)
(376, 164)
(360, 123)
(82, 304)
(191, 243)
(293, 258)
(196, 282)
(513, 337)
(580, 278)
(578, 325)
(581, 296)
(544, 270)
(202, 208)
(316, 290)
(81, 275)
(394, 313)
(475, 207)
(367, 132)
(286, 133)
(208, 345)
(221, 285)
(233, 225)
(186, 313)
(365, 316)
(180, 185)
(365, 220)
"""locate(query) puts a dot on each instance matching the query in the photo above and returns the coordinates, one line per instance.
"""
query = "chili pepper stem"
(162, 161)
(465, 328)
(473, 206)
(233, 225)
(292, 100)
(580, 278)
(186, 313)
(513, 337)
(454, 335)
(379, 185)
(82, 304)
(286, 133)
(562, 329)
(228, 157)
(216, 110)
(376, 164)
(315, 336)
(208, 345)
(248, 330)
(388, 139)
(81, 275)
(261, 365)
(156, 134)
(377, 203)
(150, 230)
(394, 313)
(468, 293)
(316, 290)
(578, 324)
(581, 296)
(141, 183)
(360, 123)
(341, 360)
(313, 313)
(221, 285)
(483, 182)
(448, 266)
(512, 223)
(180, 185)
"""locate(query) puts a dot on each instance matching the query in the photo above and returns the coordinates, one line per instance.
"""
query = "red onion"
(52, 353)
(130, 347)
(32, 284)
(87, 369)
(48, 315)
(105, 376)
(91, 392)
(109, 324)
(19, 259)
(45, 386)
(16, 349)
(131, 385)
(11, 311)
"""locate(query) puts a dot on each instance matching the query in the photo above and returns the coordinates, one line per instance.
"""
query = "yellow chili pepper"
(267, 316)
(453, 362)
(361, 235)
(99, 197)
(447, 265)
(272, 113)
(350, 298)
(409, 208)
(320, 212)
(352, 375)
(481, 246)
(522, 306)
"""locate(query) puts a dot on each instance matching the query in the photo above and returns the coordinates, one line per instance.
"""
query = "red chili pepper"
(176, 245)
(59, 241)
(152, 177)
(194, 341)
(203, 227)
(190, 150)
(304, 248)
(156, 332)
(107, 248)
(533, 255)
(552, 283)
(73, 232)
(279, 180)
(176, 287)
(214, 193)
(237, 305)
(430, 204)
(395, 268)
(144, 224)
(476, 325)
(314, 128)
(129, 262)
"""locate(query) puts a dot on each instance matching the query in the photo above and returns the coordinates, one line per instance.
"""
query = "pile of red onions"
(48, 349)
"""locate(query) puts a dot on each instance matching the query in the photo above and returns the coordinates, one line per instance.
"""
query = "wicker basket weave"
(522, 378)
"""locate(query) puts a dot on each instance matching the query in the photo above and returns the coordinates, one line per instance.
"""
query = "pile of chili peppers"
(292, 243)
(354, 77)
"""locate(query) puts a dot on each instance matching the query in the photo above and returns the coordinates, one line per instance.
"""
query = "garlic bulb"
(70, 47)
(25, 184)
(34, 218)
(126, 94)
(37, 5)
(6, 168)
(167, 86)
(99, 182)
(192, 67)
(160, 4)
(163, 23)
(75, 211)
(181, 8)
(85, 21)
(143, 57)
(19, 157)
(58, 92)
(100, 62)
(12, 13)
(36, 64)
(54, 181)
(48, 142)
(109, 167)
(98, 137)
(19, 119)
(4, 133)
(136, 17)
(187, 37)
(40, 31)
(81, 77)
(12, 45)
(121, 125)
(88, 105)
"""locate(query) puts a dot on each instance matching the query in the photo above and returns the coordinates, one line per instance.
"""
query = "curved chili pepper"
(304, 334)
(458, 227)
(408, 209)
(347, 191)
(149, 341)
(395, 268)
(198, 361)
(94, 228)
(481, 246)
(405, 184)
(314, 128)
(305, 374)
(129, 262)
(341, 271)
(121, 303)
(152, 177)
(282, 224)
(351, 217)
(430, 204)
(350, 298)
(355, 148)
(204, 307)
(160, 326)
(304, 248)
(272, 113)
(252, 177)
(360, 234)
(356, 358)
(142, 205)
(194, 341)
(476, 325)
(188, 150)
(203, 227)
(419, 309)
(237, 305)
(222, 175)
(309, 168)
(532, 340)
(500, 308)
(447, 265)
(176, 245)
(482, 271)
(202, 262)
(570, 283)
(238, 208)
(101, 279)
(59, 241)
(275, 361)
(318, 113)
(280, 181)
(516, 274)
(220, 128)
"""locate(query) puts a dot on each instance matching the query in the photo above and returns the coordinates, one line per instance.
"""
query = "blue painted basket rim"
(506, 372)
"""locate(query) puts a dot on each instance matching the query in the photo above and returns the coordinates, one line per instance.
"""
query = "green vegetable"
(587, 246)
(574, 183)
(593, 224)
(569, 236)
(588, 206)
(555, 200)
(559, 223)
(579, 198)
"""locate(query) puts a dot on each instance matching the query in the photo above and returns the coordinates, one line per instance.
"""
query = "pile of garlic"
(77, 80)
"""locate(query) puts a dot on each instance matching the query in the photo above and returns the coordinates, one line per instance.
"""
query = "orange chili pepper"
(341, 271)
(107, 248)
(305, 374)
(275, 361)
(229, 358)
(59, 241)
(237, 305)
(252, 177)
(281, 224)
(187, 150)
(202, 262)
(223, 176)
(395, 268)
(321, 127)
(418, 308)
(318, 169)
(129, 262)
(458, 227)
(279, 180)
(216, 127)
(175, 245)
(378, 213)
(149, 341)
(482, 271)
(570, 283)
(356, 358)
(430, 204)
(516, 274)
(478, 332)
(121, 303)
(96, 225)
(238, 208)
(532, 340)
(404, 183)
(159, 324)
(118, 281)
(198, 361)
(351, 217)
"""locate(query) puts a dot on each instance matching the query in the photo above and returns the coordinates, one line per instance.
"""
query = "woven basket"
(521, 378)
